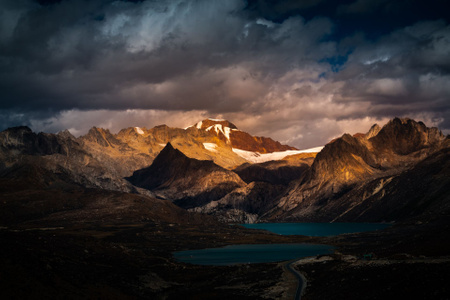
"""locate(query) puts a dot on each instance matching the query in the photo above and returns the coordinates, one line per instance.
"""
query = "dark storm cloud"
(403, 73)
(69, 58)
(287, 69)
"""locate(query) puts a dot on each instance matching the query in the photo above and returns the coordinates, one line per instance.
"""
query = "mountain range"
(396, 172)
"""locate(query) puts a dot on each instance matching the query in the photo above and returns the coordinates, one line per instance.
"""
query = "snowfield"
(255, 157)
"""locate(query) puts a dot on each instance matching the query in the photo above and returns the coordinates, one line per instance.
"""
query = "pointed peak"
(170, 150)
(373, 131)
(169, 146)
(95, 129)
(404, 136)
(65, 134)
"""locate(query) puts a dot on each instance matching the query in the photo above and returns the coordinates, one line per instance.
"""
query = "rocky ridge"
(230, 134)
(352, 178)
(351, 168)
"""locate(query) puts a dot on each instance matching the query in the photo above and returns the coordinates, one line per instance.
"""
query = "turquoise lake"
(316, 229)
(242, 254)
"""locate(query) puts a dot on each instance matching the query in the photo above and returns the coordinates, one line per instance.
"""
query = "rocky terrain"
(98, 216)
(354, 178)
(230, 134)
(365, 177)
(186, 181)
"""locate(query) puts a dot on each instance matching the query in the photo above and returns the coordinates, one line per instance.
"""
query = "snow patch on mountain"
(199, 125)
(226, 132)
(210, 146)
(139, 130)
(255, 157)
(219, 128)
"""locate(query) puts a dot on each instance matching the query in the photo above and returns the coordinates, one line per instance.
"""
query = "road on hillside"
(290, 268)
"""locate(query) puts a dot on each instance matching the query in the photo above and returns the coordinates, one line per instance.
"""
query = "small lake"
(242, 254)
(316, 229)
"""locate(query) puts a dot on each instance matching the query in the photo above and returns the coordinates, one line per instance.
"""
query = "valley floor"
(133, 261)
(130, 261)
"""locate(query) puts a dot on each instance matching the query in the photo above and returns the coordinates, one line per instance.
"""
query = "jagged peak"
(403, 120)
(404, 136)
(169, 152)
(408, 123)
(373, 131)
(66, 134)
(95, 130)
(101, 136)
(132, 130)
(168, 147)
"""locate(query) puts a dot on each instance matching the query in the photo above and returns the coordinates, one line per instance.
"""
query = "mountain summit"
(230, 134)
(351, 176)
(187, 181)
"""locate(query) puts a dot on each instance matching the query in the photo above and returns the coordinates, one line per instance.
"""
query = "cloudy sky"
(301, 72)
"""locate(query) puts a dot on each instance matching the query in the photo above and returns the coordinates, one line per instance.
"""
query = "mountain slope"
(274, 172)
(245, 204)
(193, 142)
(60, 154)
(31, 193)
(230, 134)
(350, 168)
(186, 181)
(419, 193)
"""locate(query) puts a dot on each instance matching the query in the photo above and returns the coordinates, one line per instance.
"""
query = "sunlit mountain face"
(215, 168)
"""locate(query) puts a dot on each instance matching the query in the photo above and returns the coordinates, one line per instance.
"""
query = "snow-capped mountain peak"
(230, 134)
